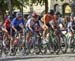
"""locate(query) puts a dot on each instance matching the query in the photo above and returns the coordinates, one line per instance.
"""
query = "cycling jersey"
(30, 22)
(31, 25)
(68, 26)
(15, 22)
(47, 18)
(7, 24)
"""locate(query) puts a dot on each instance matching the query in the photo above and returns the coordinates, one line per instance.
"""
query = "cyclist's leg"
(28, 36)
(5, 36)
(12, 39)
(45, 28)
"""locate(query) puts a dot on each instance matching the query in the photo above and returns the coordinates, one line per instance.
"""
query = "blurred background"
(10, 7)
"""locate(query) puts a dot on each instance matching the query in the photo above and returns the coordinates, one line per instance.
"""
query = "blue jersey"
(15, 22)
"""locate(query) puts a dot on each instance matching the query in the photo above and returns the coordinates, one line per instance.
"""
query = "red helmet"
(34, 15)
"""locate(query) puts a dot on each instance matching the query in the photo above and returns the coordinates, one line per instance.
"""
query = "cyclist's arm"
(13, 24)
(29, 24)
(21, 25)
(23, 22)
(14, 28)
(44, 18)
(52, 24)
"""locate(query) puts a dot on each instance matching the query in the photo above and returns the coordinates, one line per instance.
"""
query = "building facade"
(63, 6)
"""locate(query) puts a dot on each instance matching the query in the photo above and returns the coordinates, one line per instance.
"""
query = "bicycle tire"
(64, 45)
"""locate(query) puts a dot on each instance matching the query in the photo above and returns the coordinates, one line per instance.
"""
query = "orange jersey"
(47, 18)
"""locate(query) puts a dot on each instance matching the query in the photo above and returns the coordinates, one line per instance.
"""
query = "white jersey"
(29, 23)
(69, 25)
(60, 20)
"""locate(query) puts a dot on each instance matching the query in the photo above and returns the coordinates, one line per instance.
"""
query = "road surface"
(61, 57)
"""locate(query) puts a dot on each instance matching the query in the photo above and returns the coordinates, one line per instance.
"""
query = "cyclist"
(59, 22)
(6, 25)
(72, 26)
(17, 24)
(32, 26)
(6, 30)
(48, 20)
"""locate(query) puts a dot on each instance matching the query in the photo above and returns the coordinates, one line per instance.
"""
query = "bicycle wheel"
(6, 51)
(37, 45)
(44, 48)
(64, 44)
(53, 45)
(13, 51)
(6, 48)
(72, 44)
(1, 48)
(50, 46)
(56, 45)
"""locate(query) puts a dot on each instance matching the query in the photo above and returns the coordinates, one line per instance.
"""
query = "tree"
(46, 6)
(3, 7)
(41, 2)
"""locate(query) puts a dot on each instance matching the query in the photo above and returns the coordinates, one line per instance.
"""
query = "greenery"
(4, 4)
(19, 4)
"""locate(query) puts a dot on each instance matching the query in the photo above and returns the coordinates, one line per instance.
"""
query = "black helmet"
(18, 14)
(57, 14)
(52, 12)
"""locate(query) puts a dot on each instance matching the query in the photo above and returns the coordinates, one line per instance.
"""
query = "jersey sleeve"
(5, 23)
(23, 21)
(13, 22)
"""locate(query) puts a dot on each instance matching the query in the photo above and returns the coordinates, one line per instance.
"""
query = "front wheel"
(72, 44)
(1, 49)
(57, 45)
(64, 44)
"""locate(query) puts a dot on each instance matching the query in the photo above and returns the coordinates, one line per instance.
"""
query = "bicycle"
(63, 41)
(1, 43)
(57, 42)
(18, 43)
(72, 43)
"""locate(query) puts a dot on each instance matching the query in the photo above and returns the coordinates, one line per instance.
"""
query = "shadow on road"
(35, 57)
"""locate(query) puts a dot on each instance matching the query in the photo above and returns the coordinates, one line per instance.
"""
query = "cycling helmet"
(34, 15)
(19, 14)
(57, 13)
(52, 12)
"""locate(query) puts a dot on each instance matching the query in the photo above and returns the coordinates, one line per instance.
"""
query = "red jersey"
(7, 24)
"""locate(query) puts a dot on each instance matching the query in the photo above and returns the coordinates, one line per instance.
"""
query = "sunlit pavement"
(60, 57)
(48, 57)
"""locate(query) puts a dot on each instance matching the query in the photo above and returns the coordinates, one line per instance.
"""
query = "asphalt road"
(51, 59)
(61, 57)
(48, 57)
